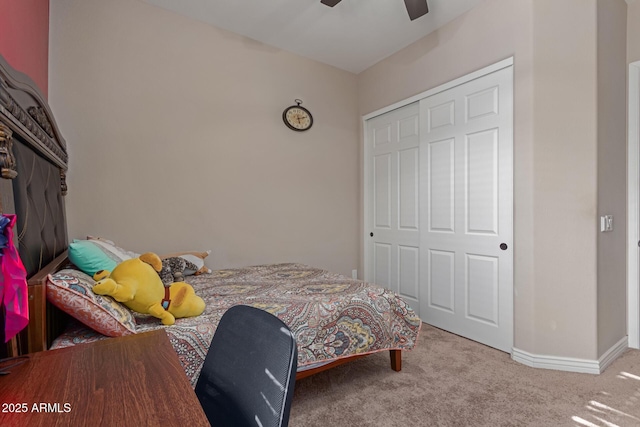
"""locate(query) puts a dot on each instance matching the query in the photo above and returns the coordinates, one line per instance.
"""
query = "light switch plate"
(606, 223)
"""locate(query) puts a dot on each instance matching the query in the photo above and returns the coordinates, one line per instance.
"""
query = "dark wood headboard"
(33, 167)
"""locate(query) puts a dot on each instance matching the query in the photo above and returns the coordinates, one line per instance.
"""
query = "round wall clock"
(297, 118)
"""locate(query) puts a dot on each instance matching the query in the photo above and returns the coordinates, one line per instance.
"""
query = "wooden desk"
(130, 381)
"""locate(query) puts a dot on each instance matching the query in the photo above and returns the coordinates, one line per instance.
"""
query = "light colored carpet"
(448, 380)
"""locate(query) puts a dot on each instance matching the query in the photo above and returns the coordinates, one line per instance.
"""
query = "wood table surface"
(135, 380)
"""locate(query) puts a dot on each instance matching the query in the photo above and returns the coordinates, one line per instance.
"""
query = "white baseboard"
(613, 353)
(570, 364)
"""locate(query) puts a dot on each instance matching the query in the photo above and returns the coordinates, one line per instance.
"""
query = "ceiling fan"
(415, 8)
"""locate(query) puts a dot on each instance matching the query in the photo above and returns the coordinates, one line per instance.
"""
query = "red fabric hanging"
(13, 285)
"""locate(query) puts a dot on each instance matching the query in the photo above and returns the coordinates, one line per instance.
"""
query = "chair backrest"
(249, 373)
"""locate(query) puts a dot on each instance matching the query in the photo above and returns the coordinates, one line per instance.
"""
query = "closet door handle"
(503, 246)
(371, 234)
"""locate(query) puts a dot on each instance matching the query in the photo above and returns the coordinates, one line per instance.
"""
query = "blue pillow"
(91, 256)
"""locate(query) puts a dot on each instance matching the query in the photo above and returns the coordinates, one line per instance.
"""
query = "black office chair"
(250, 370)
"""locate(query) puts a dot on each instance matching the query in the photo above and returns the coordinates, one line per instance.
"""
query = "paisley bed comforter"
(331, 316)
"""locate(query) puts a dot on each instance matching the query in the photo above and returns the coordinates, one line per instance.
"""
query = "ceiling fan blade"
(330, 3)
(416, 8)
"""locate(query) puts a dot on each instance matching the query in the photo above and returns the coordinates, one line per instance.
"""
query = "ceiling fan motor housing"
(415, 8)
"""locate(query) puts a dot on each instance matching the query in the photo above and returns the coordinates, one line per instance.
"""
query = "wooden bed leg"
(396, 359)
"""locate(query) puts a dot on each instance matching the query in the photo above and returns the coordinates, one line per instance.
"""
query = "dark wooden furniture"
(394, 355)
(135, 380)
(46, 322)
(33, 166)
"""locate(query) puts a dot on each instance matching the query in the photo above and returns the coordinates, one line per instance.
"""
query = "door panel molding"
(482, 178)
(392, 213)
(479, 106)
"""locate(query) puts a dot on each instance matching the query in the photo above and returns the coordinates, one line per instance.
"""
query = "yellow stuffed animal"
(136, 283)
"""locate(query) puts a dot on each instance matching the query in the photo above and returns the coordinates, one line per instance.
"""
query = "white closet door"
(393, 189)
(466, 209)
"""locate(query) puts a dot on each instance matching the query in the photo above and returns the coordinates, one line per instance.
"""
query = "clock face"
(297, 118)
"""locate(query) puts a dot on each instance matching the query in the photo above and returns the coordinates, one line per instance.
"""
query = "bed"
(335, 319)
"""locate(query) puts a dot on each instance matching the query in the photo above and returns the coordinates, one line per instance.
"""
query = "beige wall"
(565, 178)
(155, 104)
(633, 31)
(176, 139)
(612, 176)
(556, 144)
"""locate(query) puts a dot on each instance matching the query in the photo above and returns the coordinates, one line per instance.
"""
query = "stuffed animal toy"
(136, 283)
(174, 269)
(196, 258)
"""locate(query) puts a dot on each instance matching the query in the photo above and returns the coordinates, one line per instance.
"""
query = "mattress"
(332, 316)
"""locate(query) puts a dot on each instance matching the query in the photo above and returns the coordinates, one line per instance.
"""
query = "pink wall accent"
(24, 38)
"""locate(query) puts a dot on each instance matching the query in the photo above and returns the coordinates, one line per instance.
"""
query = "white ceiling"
(353, 35)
